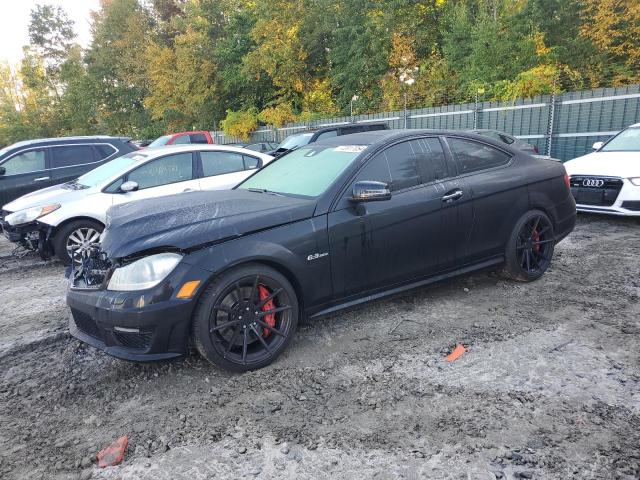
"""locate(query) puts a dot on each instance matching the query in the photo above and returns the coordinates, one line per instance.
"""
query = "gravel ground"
(549, 387)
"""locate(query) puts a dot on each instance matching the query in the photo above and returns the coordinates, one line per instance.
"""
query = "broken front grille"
(92, 271)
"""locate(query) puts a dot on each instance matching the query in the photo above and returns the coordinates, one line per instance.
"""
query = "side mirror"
(2, 171)
(369, 191)
(130, 186)
(597, 145)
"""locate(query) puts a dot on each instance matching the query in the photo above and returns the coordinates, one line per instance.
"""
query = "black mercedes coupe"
(330, 225)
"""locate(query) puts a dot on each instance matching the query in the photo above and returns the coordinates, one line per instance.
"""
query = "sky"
(14, 23)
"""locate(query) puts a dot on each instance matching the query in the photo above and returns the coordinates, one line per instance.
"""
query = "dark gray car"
(35, 164)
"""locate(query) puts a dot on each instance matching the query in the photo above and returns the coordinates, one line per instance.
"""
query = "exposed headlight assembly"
(144, 273)
(28, 215)
(635, 181)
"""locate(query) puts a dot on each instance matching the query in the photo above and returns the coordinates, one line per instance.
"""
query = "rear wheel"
(75, 238)
(530, 247)
(245, 318)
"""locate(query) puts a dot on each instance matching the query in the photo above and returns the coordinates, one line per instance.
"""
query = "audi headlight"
(28, 215)
(635, 181)
(144, 273)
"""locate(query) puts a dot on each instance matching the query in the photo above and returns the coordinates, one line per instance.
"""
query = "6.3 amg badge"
(316, 256)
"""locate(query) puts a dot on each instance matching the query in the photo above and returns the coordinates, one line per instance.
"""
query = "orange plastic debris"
(114, 453)
(457, 353)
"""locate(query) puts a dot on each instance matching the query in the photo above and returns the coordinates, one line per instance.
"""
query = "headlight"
(144, 273)
(30, 214)
(635, 181)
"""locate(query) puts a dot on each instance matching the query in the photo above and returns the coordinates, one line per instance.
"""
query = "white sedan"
(608, 180)
(66, 219)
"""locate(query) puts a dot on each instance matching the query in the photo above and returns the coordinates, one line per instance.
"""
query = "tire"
(530, 247)
(87, 230)
(231, 328)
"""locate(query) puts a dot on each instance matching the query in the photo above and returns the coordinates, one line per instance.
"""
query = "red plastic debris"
(271, 318)
(114, 453)
(457, 353)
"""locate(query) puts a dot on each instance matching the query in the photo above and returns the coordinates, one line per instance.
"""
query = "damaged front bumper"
(145, 325)
(34, 236)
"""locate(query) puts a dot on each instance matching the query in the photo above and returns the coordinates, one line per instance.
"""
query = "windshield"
(159, 142)
(295, 141)
(109, 170)
(626, 141)
(306, 172)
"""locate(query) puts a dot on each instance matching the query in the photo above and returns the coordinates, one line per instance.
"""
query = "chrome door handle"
(449, 197)
(41, 179)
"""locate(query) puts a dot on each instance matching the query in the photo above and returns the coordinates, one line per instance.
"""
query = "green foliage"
(155, 66)
(277, 116)
(240, 124)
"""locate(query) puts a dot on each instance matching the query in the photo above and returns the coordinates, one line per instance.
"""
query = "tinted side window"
(329, 134)
(250, 162)
(473, 156)
(377, 170)
(219, 163)
(198, 138)
(163, 171)
(403, 166)
(29, 161)
(432, 164)
(70, 155)
(105, 151)
(181, 139)
(373, 128)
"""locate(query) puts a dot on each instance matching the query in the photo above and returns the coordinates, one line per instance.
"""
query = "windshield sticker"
(350, 148)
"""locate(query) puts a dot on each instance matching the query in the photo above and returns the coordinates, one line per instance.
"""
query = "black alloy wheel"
(246, 318)
(530, 247)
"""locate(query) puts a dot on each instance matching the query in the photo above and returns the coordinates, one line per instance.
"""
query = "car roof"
(376, 137)
(36, 141)
(191, 147)
(635, 125)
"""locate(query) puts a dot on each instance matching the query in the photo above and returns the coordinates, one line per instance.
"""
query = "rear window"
(199, 138)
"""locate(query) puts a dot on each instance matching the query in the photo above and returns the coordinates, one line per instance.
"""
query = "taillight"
(567, 181)
(535, 149)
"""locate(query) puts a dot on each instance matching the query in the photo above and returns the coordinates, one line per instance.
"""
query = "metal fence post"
(552, 112)
(475, 113)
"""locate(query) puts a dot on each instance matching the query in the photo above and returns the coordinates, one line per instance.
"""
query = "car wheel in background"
(245, 318)
(530, 247)
(74, 238)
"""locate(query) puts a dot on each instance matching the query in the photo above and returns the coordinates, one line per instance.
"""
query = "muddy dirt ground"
(550, 386)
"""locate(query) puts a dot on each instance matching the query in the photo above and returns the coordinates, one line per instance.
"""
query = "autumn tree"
(614, 27)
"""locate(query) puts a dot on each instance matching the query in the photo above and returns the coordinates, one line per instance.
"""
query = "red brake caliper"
(536, 239)
(271, 318)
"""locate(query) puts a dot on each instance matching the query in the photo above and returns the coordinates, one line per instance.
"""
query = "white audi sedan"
(608, 179)
(65, 220)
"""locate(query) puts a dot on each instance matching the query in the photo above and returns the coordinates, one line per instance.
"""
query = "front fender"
(296, 250)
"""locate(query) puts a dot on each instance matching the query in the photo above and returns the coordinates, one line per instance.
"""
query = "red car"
(182, 138)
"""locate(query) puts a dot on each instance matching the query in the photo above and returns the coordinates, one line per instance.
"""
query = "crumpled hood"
(46, 196)
(191, 219)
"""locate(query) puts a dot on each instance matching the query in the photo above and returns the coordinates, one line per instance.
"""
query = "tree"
(51, 36)
(614, 27)
(116, 67)
(240, 124)
(279, 52)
